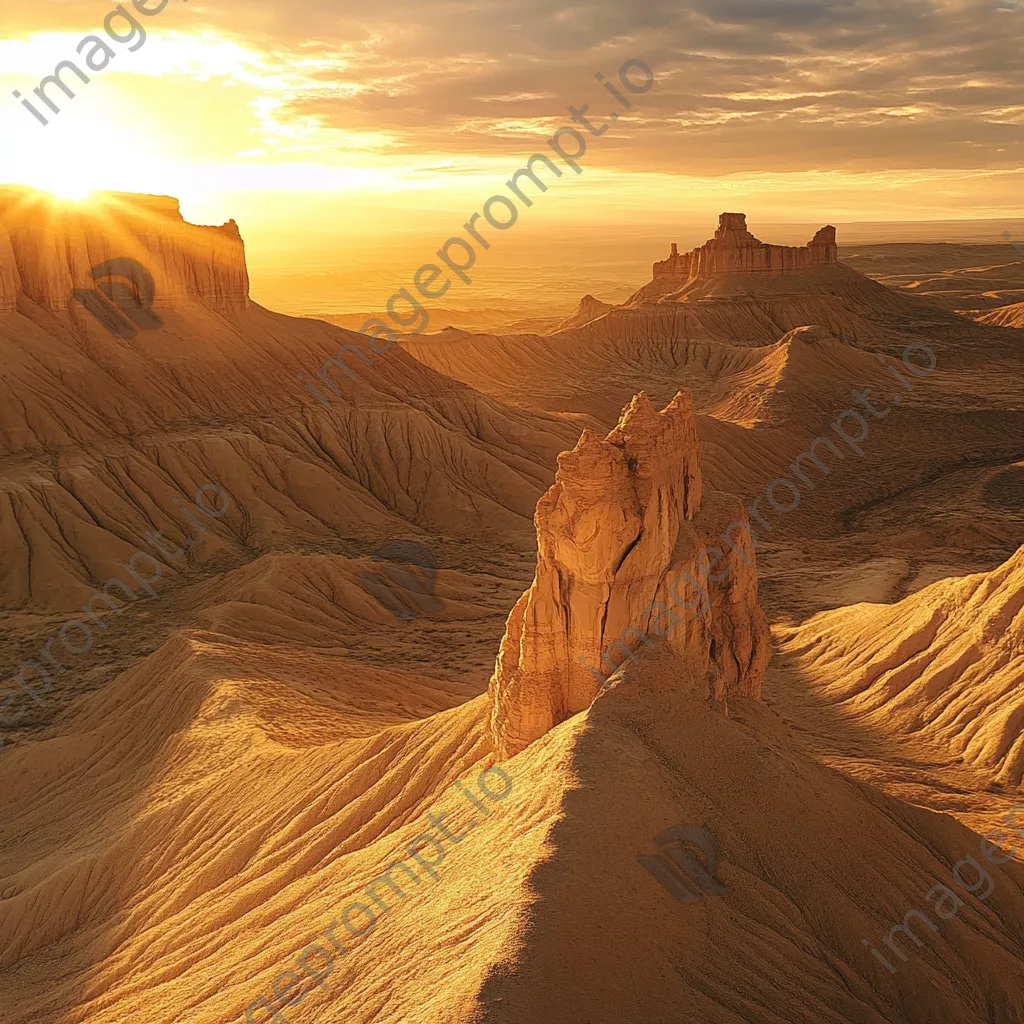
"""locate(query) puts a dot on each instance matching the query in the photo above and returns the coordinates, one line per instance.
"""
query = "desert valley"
(512, 512)
(659, 662)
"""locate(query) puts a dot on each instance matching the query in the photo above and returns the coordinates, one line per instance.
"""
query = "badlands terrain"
(206, 767)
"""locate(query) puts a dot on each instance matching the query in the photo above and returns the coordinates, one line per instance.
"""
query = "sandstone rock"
(735, 250)
(48, 248)
(621, 534)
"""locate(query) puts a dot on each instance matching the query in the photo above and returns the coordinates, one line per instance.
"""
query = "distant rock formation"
(48, 248)
(620, 537)
(588, 309)
(734, 250)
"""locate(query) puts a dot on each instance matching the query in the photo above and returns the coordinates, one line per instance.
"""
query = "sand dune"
(946, 661)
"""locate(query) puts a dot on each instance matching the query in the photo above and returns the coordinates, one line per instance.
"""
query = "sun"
(78, 156)
(69, 190)
(59, 179)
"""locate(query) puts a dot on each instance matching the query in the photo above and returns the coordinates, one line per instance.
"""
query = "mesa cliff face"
(48, 248)
(103, 434)
(625, 557)
(734, 250)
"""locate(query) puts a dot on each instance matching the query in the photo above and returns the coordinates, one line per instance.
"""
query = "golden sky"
(325, 123)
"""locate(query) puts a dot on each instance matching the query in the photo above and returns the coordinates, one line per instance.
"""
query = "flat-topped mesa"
(48, 249)
(625, 538)
(734, 250)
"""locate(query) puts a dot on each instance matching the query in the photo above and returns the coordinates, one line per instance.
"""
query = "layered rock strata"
(735, 250)
(630, 553)
(48, 249)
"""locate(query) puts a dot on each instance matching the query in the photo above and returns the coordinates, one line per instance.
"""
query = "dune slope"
(946, 662)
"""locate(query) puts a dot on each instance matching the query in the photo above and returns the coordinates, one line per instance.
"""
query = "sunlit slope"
(1004, 316)
(945, 663)
(103, 435)
(220, 785)
(199, 827)
(204, 848)
(813, 863)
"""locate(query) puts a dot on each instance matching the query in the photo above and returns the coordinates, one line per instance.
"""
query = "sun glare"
(71, 191)
(63, 183)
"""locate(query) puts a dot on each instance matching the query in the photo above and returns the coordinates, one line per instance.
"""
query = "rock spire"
(627, 554)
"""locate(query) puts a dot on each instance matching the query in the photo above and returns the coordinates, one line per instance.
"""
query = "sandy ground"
(192, 802)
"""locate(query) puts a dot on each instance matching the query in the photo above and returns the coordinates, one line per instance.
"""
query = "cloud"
(743, 85)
